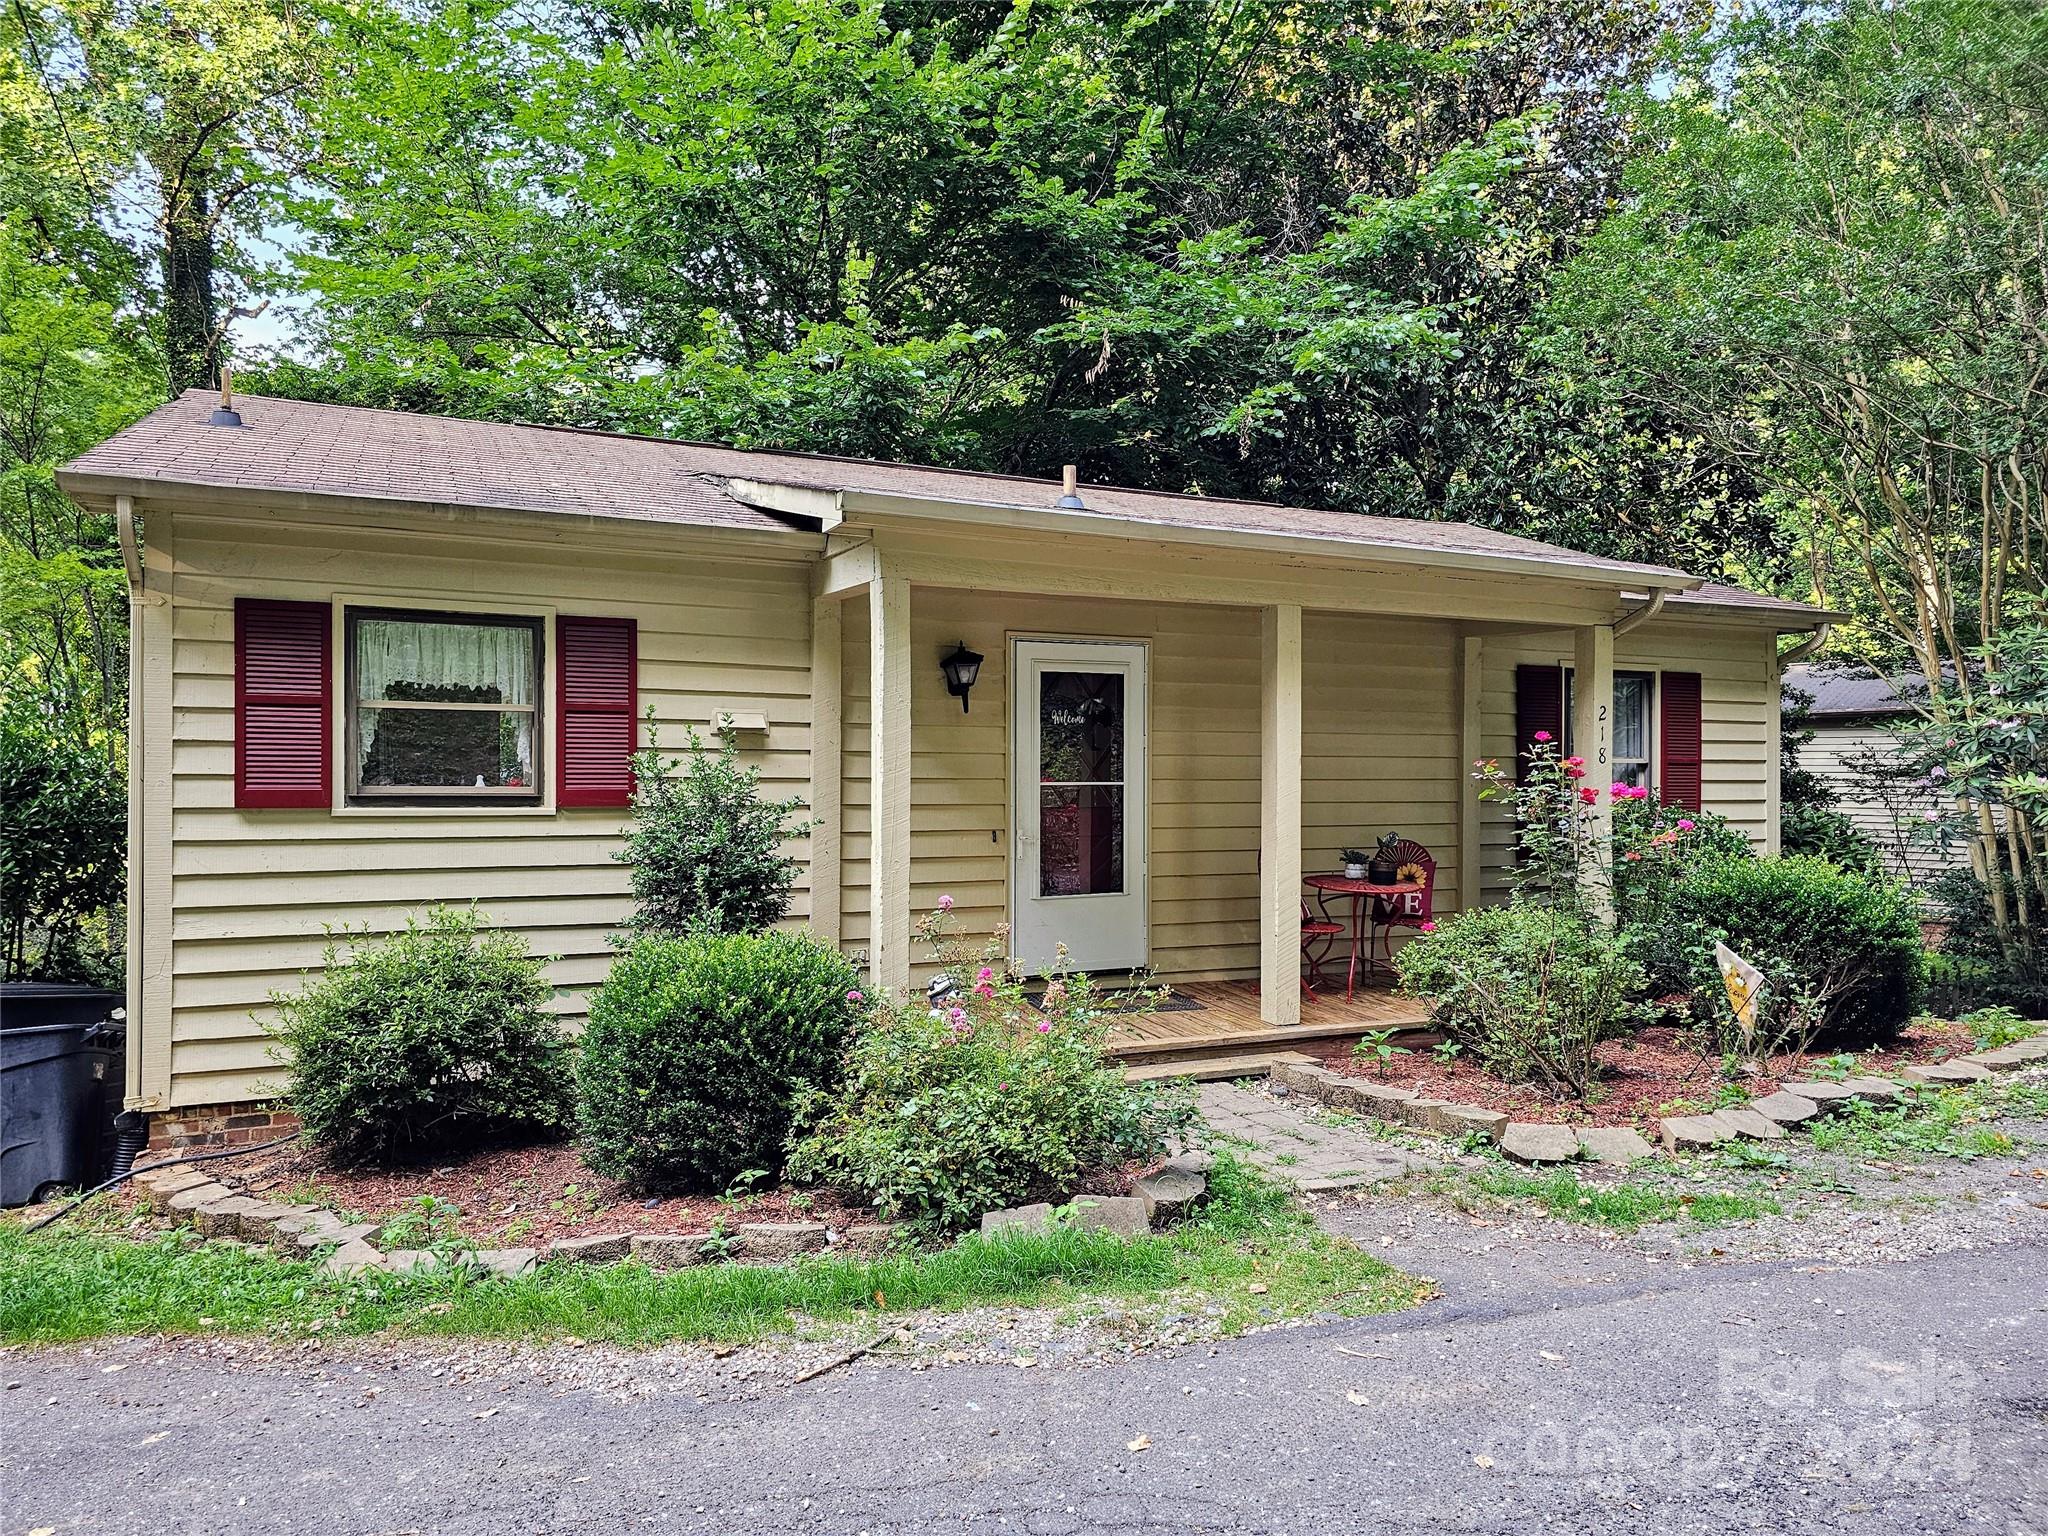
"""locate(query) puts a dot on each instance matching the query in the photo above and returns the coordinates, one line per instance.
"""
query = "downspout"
(1642, 615)
(131, 557)
(1806, 647)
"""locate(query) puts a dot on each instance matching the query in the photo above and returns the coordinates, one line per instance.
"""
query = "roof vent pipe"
(225, 415)
(1070, 488)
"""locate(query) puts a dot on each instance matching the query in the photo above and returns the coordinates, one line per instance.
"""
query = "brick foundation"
(219, 1125)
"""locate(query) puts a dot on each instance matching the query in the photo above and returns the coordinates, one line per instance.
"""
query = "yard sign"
(1743, 982)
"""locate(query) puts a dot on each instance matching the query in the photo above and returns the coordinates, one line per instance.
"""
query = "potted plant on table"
(1386, 859)
(1354, 863)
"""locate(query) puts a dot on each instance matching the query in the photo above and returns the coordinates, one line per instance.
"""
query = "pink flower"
(1633, 857)
(1575, 772)
(945, 903)
(855, 996)
(1045, 1026)
(1685, 824)
(958, 1016)
(1543, 735)
(1428, 928)
(1575, 762)
(984, 974)
(1619, 790)
(1588, 794)
(1002, 1087)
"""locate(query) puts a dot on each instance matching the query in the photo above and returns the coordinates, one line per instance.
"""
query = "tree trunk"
(191, 338)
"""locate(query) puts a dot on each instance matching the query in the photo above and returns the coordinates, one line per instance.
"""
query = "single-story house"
(386, 660)
(1854, 712)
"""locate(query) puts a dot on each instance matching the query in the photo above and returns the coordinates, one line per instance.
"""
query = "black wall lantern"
(961, 669)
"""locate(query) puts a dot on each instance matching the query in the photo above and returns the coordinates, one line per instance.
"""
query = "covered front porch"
(1272, 707)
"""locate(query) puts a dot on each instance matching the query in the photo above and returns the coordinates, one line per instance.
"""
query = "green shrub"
(433, 1038)
(697, 1049)
(63, 837)
(1655, 847)
(1526, 990)
(1840, 949)
(982, 1101)
(705, 848)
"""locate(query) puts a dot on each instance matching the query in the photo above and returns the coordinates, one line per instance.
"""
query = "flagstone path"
(1298, 1146)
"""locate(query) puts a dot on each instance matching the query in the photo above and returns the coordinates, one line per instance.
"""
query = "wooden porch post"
(827, 766)
(1280, 814)
(1471, 747)
(889, 779)
(1593, 734)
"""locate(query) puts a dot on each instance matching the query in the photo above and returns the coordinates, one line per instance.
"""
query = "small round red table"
(1361, 892)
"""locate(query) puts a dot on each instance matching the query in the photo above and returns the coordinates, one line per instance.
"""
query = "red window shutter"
(1679, 740)
(1539, 706)
(596, 700)
(283, 704)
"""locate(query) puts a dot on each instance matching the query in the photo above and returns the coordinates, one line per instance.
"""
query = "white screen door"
(1078, 812)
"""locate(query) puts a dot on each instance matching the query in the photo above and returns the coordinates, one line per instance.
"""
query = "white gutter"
(138, 842)
(1642, 615)
(1808, 646)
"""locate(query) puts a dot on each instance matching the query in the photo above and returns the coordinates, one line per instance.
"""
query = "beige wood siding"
(244, 899)
(1738, 711)
(253, 893)
(1379, 754)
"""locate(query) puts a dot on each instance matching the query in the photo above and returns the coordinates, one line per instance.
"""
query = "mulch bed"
(1654, 1068)
(527, 1196)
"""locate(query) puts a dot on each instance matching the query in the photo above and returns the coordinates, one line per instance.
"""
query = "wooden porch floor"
(1228, 1019)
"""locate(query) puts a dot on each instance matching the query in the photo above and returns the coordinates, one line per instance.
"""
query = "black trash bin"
(60, 1086)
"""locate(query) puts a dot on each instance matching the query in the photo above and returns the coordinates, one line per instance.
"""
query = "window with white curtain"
(443, 706)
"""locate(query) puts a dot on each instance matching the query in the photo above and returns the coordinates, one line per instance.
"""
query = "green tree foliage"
(1250, 247)
(63, 827)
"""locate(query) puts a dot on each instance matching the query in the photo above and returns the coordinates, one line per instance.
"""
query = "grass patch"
(1935, 1123)
(1624, 1206)
(67, 1284)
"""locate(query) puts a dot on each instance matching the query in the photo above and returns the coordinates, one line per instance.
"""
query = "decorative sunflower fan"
(1408, 872)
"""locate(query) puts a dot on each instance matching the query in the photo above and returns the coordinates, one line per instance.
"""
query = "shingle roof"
(1843, 691)
(299, 448)
(1719, 594)
(345, 450)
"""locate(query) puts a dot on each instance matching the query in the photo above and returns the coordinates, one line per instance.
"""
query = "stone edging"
(1765, 1118)
(218, 1208)
(1157, 1199)
(1773, 1116)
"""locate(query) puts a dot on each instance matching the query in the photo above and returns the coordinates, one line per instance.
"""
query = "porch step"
(1221, 1067)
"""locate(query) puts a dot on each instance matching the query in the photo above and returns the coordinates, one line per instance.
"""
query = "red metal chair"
(1318, 936)
(1410, 909)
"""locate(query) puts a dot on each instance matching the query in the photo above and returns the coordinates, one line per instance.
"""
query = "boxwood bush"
(432, 1039)
(697, 1048)
(1849, 941)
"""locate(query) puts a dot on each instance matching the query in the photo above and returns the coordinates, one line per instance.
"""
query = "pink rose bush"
(986, 1092)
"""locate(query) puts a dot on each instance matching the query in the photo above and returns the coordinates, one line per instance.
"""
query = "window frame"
(1654, 677)
(430, 797)
(1649, 758)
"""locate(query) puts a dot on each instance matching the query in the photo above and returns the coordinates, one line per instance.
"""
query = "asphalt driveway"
(1553, 1387)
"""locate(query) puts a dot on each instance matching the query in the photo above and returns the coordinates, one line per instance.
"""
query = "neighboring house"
(1852, 718)
(385, 660)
